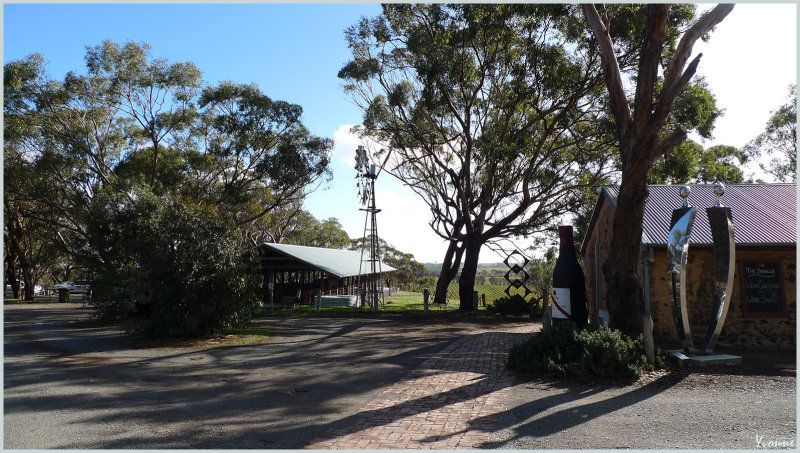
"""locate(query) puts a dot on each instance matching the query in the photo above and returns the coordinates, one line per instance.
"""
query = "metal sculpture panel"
(677, 255)
(721, 221)
(721, 224)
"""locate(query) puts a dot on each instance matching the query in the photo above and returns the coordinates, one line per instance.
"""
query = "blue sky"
(294, 51)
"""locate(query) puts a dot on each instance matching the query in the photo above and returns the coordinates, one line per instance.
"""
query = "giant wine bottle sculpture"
(569, 283)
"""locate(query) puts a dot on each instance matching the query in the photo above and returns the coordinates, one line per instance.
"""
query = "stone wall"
(601, 235)
(740, 330)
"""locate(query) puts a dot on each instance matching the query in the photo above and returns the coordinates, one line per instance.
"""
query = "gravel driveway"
(73, 385)
(727, 408)
(77, 387)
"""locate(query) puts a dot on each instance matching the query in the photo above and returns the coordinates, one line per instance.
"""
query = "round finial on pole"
(685, 191)
(719, 190)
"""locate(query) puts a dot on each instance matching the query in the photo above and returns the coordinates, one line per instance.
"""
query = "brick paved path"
(452, 401)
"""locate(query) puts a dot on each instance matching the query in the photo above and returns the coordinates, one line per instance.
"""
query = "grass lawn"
(242, 336)
(402, 302)
(492, 292)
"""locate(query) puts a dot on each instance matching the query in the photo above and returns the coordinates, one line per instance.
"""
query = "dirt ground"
(725, 408)
(76, 385)
(71, 385)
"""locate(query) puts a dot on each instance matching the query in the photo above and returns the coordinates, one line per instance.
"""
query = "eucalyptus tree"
(407, 269)
(689, 162)
(136, 132)
(155, 96)
(82, 127)
(253, 153)
(643, 128)
(779, 139)
(291, 224)
(36, 236)
(491, 112)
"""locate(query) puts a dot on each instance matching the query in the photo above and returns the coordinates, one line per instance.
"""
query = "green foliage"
(597, 352)
(30, 241)
(510, 306)
(541, 276)
(178, 264)
(289, 223)
(494, 113)
(408, 270)
(153, 179)
(779, 140)
(689, 162)
(314, 233)
(246, 130)
(696, 108)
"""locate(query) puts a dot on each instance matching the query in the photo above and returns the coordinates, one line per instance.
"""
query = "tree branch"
(684, 49)
(611, 71)
(647, 74)
(674, 139)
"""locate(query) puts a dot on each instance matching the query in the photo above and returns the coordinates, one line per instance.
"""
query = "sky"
(293, 52)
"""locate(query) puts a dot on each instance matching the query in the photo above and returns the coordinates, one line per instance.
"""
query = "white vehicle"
(76, 287)
(37, 289)
(80, 286)
(63, 285)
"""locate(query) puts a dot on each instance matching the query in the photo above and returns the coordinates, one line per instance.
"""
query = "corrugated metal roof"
(341, 263)
(763, 214)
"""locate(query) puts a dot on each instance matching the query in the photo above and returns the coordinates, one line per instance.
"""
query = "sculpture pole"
(677, 254)
(721, 222)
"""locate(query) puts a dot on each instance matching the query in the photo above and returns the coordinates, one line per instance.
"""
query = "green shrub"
(176, 264)
(510, 306)
(596, 352)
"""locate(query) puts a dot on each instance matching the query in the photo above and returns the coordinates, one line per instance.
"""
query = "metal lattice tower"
(369, 270)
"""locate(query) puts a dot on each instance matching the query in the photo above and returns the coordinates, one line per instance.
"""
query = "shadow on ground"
(79, 386)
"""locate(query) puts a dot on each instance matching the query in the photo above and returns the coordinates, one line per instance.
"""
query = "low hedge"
(510, 306)
(594, 352)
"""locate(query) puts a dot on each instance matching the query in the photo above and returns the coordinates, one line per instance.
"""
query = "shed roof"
(340, 263)
(763, 214)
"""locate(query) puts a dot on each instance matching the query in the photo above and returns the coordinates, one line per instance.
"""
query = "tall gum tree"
(779, 139)
(136, 123)
(491, 114)
(642, 139)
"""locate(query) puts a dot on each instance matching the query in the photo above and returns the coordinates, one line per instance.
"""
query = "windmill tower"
(369, 270)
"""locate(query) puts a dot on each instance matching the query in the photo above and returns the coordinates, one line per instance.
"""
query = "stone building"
(763, 308)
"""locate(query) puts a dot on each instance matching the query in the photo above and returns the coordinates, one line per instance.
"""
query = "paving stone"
(451, 401)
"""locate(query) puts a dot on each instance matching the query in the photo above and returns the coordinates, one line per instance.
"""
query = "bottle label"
(562, 309)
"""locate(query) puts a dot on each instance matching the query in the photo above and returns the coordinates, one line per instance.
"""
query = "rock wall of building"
(740, 330)
(600, 235)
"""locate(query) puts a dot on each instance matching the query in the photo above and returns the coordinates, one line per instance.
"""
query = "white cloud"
(749, 62)
(344, 146)
(403, 223)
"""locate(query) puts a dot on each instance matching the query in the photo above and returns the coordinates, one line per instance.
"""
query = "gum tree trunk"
(466, 283)
(452, 261)
(625, 297)
(639, 128)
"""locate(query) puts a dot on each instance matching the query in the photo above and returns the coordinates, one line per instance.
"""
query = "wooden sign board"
(762, 288)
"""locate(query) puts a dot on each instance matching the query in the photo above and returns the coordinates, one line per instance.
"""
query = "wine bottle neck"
(566, 240)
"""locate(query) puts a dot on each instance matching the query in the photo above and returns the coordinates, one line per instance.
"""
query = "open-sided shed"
(294, 273)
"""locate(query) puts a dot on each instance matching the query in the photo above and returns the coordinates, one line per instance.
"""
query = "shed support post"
(319, 295)
(271, 288)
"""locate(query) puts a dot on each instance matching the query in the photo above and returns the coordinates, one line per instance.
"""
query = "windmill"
(369, 270)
